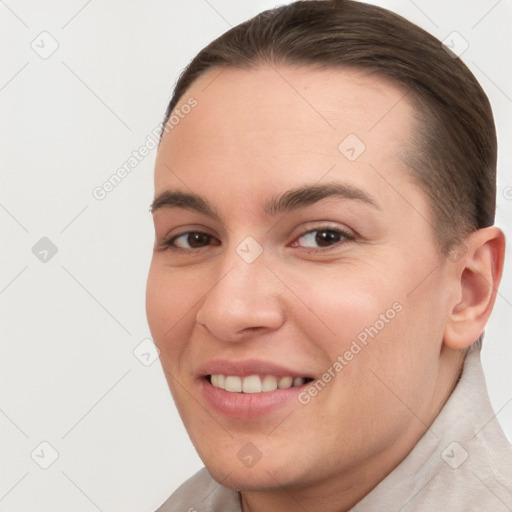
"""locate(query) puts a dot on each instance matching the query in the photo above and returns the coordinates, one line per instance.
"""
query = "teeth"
(269, 383)
(285, 382)
(233, 384)
(251, 384)
(254, 383)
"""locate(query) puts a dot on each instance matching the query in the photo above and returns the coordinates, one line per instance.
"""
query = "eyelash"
(346, 237)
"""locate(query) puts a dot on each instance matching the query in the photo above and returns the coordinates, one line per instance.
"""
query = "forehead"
(280, 125)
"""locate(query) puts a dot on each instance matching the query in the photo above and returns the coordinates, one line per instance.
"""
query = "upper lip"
(245, 367)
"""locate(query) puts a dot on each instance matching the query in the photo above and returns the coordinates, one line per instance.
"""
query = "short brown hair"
(454, 150)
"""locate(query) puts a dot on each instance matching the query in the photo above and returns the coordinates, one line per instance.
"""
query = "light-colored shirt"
(462, 463)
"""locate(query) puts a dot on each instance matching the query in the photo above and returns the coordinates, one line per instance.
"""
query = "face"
(293, 248)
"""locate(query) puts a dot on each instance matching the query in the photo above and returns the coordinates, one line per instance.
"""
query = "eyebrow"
(291, 200)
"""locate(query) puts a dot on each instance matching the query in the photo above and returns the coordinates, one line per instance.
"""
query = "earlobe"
(479, 273)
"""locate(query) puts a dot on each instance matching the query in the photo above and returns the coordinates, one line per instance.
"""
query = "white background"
(69, 326)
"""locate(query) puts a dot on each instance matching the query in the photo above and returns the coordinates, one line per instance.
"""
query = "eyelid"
(325, 225)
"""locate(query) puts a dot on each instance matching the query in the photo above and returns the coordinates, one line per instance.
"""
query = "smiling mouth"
(255, 383)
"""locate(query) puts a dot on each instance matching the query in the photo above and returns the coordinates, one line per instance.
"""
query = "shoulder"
(201, 493)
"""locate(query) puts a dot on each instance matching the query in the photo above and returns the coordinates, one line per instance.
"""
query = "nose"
(245, 299)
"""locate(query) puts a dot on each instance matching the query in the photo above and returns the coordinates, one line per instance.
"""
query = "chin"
(268, 472)
(249, 479)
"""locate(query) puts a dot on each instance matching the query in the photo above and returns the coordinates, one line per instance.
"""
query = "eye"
(323, 238)
(320, 238)
(190, 240)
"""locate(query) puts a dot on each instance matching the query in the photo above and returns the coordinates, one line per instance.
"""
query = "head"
(323, 211)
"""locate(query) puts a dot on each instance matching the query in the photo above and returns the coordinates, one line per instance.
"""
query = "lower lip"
(247, 405)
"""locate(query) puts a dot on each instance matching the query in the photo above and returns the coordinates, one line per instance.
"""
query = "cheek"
(158, 302)
(170, 300)
(346, 302)
(370, 320)
(391, 297)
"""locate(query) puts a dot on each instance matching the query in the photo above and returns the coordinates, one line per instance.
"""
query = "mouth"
(248, 389)
(255, 383)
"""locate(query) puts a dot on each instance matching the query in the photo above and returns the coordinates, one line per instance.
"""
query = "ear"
(478, 273)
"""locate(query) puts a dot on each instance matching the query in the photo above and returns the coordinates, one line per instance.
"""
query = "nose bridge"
(244, 295)
(243, 266)
(243, 276)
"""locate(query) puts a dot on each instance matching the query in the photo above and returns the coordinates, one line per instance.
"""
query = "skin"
(256, 134)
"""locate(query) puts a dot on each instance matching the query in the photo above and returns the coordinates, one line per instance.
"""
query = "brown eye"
(190, 240)
(323, 238)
